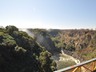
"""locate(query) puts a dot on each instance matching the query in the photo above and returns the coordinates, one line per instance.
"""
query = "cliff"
(79, 43)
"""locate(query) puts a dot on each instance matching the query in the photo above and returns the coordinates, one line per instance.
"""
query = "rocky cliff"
(80, 43)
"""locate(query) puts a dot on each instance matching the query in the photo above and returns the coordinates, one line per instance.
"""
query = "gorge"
(62, 59)
(68, 47)
(41, 50)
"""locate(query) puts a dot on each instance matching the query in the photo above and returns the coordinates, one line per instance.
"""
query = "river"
(64, 60)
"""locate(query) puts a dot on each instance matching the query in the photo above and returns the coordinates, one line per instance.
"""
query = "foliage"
(46, 62)
(20, 53)
(11, 29)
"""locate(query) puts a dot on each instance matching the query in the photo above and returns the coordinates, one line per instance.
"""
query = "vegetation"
(81, 43)
(44, 39)
(20, 53)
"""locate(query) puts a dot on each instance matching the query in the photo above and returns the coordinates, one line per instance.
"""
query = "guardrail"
(87, 66)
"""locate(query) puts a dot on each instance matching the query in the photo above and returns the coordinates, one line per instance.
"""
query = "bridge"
(87, 66)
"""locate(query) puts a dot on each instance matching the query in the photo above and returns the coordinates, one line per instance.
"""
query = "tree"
(46, 62)
(10, 29)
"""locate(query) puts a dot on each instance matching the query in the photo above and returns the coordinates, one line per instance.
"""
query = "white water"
(63, 60)
(68, 57)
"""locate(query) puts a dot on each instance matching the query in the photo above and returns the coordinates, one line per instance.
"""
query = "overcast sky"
(62, 14)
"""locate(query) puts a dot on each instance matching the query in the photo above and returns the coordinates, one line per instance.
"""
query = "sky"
(50, 14)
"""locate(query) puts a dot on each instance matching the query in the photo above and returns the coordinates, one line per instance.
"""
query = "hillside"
(80, 43)
(44, 50)
(21, 53)
(43, 38)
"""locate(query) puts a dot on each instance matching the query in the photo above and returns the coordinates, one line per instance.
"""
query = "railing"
(87, 66)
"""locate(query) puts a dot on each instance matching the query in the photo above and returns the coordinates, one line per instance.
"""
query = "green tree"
(47, 65)
(10, 29)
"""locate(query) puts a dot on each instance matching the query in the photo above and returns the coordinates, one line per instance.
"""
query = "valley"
(45, 50)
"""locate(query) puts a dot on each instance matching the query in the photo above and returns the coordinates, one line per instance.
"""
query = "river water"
(63, 60)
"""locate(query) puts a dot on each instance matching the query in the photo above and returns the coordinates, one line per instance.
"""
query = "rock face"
(44, 40)
(79, 43)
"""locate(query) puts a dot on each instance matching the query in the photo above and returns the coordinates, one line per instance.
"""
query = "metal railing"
(87, 66)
